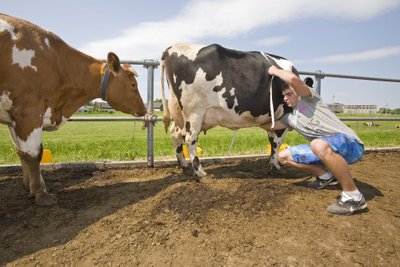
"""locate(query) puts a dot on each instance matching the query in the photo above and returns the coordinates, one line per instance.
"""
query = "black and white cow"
(212, 85)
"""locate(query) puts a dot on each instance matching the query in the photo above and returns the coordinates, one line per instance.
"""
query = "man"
(333, 145)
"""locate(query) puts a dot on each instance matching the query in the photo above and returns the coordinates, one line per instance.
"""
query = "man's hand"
(272, 70)
(292, 80)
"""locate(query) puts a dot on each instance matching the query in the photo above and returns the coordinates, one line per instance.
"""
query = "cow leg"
(275, 139)
(30, 154)
(177, 141)
(25, 174)
(194, 158)
(191, 135)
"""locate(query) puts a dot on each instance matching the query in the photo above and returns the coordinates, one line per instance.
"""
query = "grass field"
(119, 141)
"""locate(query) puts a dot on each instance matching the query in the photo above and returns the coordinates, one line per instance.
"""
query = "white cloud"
(201, 19)
(273, 41)
(361, 56)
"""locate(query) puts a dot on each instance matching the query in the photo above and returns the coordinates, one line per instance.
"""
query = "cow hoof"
(274, 167)
(200, 173)
(275, 170)
(45, 199)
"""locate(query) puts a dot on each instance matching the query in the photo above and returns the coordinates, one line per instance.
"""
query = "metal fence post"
(150, 65)
(318, 77)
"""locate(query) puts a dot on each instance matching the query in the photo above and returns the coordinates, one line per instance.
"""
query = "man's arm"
(279, 126)
(293, 80)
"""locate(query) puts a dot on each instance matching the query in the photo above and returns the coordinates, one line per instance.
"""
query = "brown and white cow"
(212, 85)
(43, 81)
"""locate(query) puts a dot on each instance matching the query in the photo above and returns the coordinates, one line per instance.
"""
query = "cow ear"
(113, 62)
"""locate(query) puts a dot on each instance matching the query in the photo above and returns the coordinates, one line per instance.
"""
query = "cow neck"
(105, 75)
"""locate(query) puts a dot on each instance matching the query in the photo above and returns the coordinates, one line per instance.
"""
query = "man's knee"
(284, 157)
(320, 148)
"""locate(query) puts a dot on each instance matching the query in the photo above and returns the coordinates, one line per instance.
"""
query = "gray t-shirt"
(313, 119)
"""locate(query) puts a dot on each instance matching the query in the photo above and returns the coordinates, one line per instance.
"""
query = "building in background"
(353, 109)
(360, 109)
(336, 107)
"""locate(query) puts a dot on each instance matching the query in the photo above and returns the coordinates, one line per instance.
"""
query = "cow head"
(122, 89)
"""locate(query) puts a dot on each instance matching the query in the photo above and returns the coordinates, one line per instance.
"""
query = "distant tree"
(389, 111)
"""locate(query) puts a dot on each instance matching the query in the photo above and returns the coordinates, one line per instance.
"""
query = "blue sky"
(352, 37)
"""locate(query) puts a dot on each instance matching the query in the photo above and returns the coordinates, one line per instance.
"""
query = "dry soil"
(241, 214)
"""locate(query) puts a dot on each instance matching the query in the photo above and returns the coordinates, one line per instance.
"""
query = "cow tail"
(166, 114)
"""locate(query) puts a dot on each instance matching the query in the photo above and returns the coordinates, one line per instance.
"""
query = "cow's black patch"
(196, 163)
(187, 126)
(275, 56)
(179, 149)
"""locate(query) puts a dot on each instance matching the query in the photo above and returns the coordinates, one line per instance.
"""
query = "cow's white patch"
(5, 26)
(5, 105)
(47, 118)
(46, 41)
(47, 125)
(188, 50)
(284, 63)
(200, 89)
(23, 58)
(32, 144)
(222, 100)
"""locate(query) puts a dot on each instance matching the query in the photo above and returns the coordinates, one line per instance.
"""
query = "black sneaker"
(347, 207)
(321, 183)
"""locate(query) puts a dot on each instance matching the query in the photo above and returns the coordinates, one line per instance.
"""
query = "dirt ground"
(242, 214)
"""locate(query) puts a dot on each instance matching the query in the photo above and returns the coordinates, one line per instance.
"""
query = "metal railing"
(319, 75)
(150, 65)
(150, 120)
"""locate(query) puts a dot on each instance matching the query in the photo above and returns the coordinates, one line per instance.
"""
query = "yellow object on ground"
(186, 153)
(46, 157)
(282, 147)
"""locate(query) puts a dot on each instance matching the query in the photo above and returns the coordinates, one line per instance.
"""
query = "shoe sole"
(361, 209)
(325, 185)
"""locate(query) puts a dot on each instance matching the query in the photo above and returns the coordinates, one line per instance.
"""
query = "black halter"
(105, 74)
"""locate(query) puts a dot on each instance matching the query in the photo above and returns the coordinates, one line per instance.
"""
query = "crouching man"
(333, 145)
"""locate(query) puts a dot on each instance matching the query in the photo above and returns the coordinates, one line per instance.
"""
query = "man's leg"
(351, 200)
(286, 159)
(335, 162)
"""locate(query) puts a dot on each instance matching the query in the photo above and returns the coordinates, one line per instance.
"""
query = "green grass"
(105, 141)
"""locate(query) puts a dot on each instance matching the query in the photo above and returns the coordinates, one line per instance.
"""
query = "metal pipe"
(154, 119)
(150, 109)
(145, 63)
(323, 75)
(318, 79)
(371, 119)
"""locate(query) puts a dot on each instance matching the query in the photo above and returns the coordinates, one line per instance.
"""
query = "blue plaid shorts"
(344, 145)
